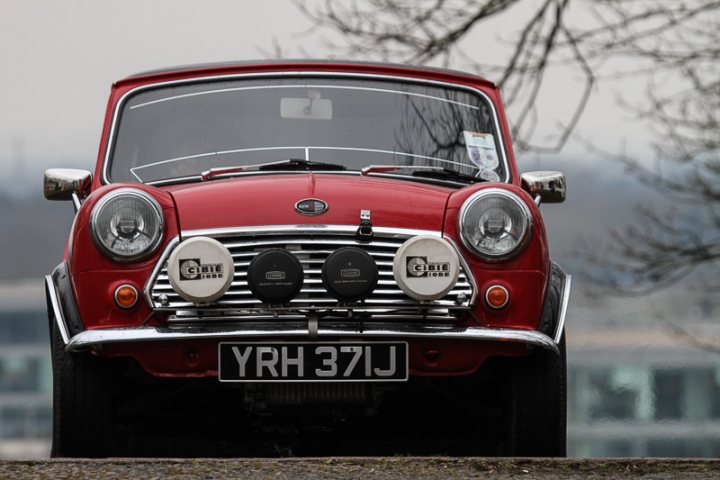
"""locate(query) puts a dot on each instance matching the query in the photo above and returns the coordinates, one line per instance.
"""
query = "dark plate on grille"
(349, 274)
(275, 276)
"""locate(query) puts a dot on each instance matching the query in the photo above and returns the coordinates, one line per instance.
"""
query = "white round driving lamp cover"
(426, 267)
(201, 270)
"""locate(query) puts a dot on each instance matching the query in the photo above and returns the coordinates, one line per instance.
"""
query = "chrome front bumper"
(90, 339)
(94, 339)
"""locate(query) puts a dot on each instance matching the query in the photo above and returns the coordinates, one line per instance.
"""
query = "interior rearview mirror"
(548, 186)
(312, 108)
(61, 183)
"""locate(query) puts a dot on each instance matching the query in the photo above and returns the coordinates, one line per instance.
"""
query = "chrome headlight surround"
(156, 220)
(522, 229)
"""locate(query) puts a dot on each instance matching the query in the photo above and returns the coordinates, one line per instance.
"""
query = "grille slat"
(374, 253)
(387, 302)
(290, 242)
(301, 303)
(310, 273)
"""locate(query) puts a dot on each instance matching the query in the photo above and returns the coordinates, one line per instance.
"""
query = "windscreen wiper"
(289, 164)
(446, 173)
(390, 168)
(423, 171)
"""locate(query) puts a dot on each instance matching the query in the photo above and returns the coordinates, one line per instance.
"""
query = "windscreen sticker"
(481, 149)
(489, 176)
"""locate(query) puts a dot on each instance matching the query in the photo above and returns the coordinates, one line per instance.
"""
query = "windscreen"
(180, 131)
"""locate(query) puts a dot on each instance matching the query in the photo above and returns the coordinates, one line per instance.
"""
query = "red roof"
(211, 69)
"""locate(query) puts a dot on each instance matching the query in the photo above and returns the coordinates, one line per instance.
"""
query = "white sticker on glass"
(489, 176)
(481, 149)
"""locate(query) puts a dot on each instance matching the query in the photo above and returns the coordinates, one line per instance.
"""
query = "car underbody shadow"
(204, 418)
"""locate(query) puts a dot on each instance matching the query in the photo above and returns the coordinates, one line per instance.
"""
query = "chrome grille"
(311, 248)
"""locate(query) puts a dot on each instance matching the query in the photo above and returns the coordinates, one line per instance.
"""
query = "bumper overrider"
(60, 301)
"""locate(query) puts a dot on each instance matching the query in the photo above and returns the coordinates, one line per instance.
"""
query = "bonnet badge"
(311, 207)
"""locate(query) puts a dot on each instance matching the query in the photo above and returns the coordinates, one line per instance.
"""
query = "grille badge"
(311, 207)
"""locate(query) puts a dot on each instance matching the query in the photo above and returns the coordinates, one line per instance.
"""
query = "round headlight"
(127, 224)
(495, 223)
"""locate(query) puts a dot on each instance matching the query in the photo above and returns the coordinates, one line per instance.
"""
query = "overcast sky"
(59, 59)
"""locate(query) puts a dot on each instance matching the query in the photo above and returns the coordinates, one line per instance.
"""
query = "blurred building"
(633, 388)
(642, 392)
(25, 372)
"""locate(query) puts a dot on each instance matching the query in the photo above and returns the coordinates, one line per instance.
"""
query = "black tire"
(537, 405)
(82, 402)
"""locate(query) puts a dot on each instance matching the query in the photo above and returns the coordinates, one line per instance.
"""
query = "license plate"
(313, 362)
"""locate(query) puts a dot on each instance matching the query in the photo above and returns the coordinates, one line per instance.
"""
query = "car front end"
(309, 223)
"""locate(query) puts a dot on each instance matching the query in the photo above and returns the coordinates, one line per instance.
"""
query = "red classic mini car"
(307, 237)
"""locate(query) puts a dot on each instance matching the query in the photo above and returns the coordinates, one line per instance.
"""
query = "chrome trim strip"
(116, 114)
(99, 337)
(76, 201)
(57, 311)
(181, 317)
(320, 303)
(306, 85)
(147, 289)
(565, 301)
(304, 229)
(467, 270)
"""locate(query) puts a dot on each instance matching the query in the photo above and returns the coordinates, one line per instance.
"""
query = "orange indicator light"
(497, 296)
(126, 296)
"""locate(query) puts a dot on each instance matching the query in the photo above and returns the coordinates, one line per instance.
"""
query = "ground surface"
(415, 468)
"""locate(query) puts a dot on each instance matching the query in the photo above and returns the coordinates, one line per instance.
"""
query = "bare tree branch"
(665, 42)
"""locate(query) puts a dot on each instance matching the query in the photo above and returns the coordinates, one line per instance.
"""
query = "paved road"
(367, 468)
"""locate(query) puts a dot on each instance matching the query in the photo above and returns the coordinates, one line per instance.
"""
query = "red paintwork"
(172, 359)
(525, 275)
(270, 199)
(95, 277)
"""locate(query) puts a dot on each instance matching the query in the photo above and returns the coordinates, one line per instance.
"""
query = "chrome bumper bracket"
(564, 302)
(56, 308)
